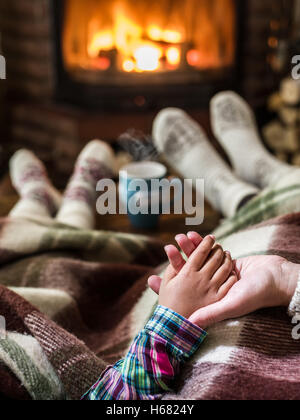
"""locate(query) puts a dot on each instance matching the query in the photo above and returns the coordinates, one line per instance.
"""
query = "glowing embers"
(137, 52)
(161, 36)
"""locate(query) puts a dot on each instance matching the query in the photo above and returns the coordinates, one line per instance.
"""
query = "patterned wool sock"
(29, 177)
(234, 125)
(186, 148)
(96, 162)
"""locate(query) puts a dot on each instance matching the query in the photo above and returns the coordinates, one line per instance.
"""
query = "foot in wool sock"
(186, 148)
(234, 125)
(96, 162)
(30, 179)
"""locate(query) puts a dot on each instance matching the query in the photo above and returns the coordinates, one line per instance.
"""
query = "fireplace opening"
(139, 50)
(107, 39)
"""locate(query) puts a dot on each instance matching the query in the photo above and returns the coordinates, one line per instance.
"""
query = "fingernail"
(212, 237)
(180, 236)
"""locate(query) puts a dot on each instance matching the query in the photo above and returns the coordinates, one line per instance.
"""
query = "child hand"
(203, 280)
(188, 244)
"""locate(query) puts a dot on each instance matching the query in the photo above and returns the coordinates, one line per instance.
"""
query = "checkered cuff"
(182, 337)
(294, 307)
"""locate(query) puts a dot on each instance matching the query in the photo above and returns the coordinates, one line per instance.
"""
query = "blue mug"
(137, 192)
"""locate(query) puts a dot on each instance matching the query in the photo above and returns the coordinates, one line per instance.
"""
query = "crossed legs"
(184, 145)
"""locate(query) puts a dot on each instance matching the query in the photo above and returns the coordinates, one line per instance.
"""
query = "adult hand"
(264, 281)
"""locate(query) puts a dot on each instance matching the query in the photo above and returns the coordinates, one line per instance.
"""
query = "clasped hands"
(210, 287)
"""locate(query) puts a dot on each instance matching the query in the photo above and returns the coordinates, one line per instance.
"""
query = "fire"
(147, 57)
(173, 55)
(128, 66)
(193, 57)
(160, 36)
(138, 55)
(154, 33)
(168, 35)
(102, 41)
(140, 50)
(173, 37)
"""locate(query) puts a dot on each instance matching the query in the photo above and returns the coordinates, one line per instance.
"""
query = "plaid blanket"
(67, 296)
(74, 300)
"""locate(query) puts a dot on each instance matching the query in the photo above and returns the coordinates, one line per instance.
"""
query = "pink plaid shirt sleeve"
(153, 361)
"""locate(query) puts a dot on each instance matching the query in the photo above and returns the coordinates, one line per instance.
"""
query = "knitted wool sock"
(294, 308)
(234, 125)
(187, 149)
(95, 162)
(29, 177)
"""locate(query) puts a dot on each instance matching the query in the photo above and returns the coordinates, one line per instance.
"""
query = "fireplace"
(150, 53)
(129, 53)
(120, 41)
(69, 83)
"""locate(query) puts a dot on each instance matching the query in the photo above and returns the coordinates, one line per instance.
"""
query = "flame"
(128, 36)
(141, 50)
(172, 37)
(147, 57)
(173, 55)
(128, 66)
(154, 33)
(126, 32)
(101, 41)
(193, 58)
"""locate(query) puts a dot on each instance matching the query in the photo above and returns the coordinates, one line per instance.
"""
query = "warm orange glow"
(127, 38)
(126, 32)
(147, 57)
(172, 37)
(173, 55)
(102, 63)
(154, 33)
(141, 36)
(275, 25)
(102, 41)
(193, 58)
(128, 66)
(273, 42)
(159, 34)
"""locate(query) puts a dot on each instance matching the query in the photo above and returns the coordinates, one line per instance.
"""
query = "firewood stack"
(282, 134)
